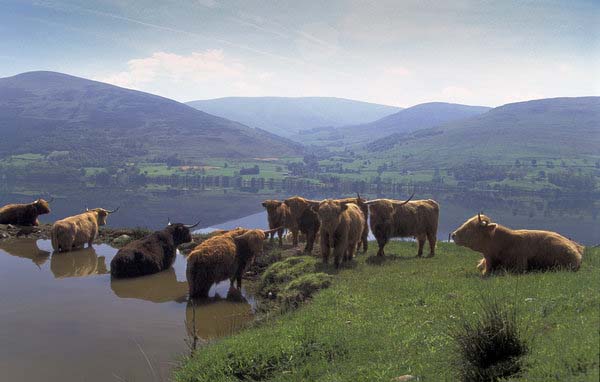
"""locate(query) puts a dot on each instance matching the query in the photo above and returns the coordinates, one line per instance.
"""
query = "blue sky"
(394, 52)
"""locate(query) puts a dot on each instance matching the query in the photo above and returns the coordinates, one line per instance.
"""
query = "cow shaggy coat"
(395, 218)
(75, 231)
(303, 219)
(151, 254)
(361, 203)
(517, 250)
(222, 257)
(278, 214)
(342, 226)
(24, 214)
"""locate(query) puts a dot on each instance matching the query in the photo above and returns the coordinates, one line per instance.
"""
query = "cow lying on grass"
(517, 250)
(151, 254)
(75, 231)
(342, 226)
(222, 257)
(24, 214)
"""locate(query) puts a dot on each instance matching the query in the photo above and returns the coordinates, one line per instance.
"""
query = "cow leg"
(324, 248)
(381, 241)
(432, 240)
(338, 254)
(239, 281)
(351, 251)
(280, 234)
(421, 240)
(295, 237)
(310, 241)
(365, 241)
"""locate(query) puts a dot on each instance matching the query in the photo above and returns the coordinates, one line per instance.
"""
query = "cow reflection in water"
(159, 287)
(27, 249)
(210, 318)
(80, 263)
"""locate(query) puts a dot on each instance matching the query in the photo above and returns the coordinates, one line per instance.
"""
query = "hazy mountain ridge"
(48, 111)
(552, 128)
(287, 116)
(422, 116)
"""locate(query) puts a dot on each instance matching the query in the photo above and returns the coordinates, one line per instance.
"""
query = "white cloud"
(197, 67)
(397, 71)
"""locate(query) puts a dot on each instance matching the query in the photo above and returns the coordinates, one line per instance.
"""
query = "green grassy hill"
(43, 112)
(381, 320)
(556, 128)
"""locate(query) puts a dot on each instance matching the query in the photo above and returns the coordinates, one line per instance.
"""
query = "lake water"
(64, 319)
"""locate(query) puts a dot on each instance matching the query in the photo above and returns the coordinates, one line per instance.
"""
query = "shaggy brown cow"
(24, 214)
(75, 231)
(516, 250)
(395, 218)
(222, 257)
(342, 226)
(151, 254)
(361, 203)
(278, 214)
(303, 219)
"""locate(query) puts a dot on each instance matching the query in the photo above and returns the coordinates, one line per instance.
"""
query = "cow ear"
(491, 226)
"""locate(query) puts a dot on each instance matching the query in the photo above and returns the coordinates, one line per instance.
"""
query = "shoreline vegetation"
(393, 317)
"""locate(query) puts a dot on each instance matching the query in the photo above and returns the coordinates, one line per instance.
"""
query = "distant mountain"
(41, 112)
(287, 116)
(414, 118)
(546, 128)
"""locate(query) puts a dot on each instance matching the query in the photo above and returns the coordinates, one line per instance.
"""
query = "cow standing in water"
(75, 231)
(151, 254)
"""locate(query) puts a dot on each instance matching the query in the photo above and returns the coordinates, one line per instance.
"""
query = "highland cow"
(361, 203)
(222, 257)
(75, 231)
(394, 218)
(342, 226)
(278, 213)
(151, 254)
(303, 219)
(24, 214)
(517, 250)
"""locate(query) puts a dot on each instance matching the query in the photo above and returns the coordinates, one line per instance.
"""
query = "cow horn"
(113, 211)
(192, 225)
(51, 200)
(168, 222)
(479, 217)
(86, 209)
(268, 232)
(408, 200)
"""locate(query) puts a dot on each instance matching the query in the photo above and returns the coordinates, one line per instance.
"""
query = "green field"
(381, 320)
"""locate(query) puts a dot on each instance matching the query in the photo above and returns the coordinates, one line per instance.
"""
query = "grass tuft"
(491, 347)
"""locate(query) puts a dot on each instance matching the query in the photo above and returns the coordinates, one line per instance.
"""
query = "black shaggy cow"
(151, 254)
(24, 214)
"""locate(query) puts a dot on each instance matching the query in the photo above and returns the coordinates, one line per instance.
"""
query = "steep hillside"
(287, 116)
(546, 128)
(414, 118)
(42, 112)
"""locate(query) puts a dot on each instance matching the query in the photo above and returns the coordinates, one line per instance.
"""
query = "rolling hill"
(43, 112)
(414, 118)
(287, 116)
(546, 128)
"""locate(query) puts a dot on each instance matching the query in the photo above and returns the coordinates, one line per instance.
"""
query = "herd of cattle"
(339, 224)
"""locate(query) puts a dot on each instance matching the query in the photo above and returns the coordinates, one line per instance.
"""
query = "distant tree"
(534, 162)
(518, 163)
